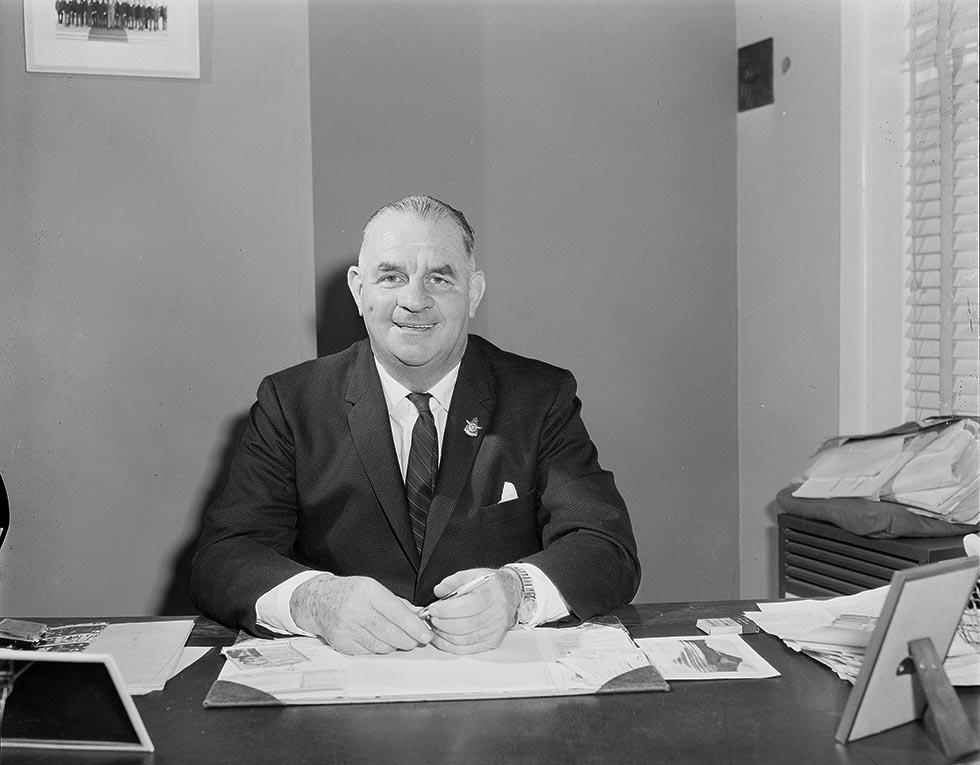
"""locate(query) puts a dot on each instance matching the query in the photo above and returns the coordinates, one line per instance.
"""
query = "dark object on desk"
(4, 512)
(17, 633)
(819, 559)
(68, 701)
(902, 676)
(867, 518)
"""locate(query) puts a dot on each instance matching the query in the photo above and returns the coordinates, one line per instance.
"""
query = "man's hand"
(477, 620)
(357, 615)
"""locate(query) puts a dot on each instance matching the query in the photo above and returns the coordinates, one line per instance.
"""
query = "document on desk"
(816, 621)
(706, 657)
(147, 653)
(588, 659)
(837, 631)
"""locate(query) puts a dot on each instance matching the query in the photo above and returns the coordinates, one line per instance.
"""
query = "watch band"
(529, 604)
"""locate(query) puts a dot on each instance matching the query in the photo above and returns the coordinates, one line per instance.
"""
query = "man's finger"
(450, 583)
(457, 580)
(464, 625)
(398, 624)
(396, 637)
(471, 638)
(466, 606)
(486, 644)
(346, 644)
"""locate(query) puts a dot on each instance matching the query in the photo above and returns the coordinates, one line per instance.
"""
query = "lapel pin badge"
(473, 427)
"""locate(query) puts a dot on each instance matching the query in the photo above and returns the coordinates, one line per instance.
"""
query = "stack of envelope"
(837, 632)
(933, 468)
(148, 653)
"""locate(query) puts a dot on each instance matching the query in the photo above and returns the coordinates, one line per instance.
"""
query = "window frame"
(872, 230)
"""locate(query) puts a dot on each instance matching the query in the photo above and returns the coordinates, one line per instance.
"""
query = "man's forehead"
(389, 243)
(411, 234)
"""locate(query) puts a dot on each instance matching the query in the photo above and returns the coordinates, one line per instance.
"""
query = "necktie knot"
(420, 401)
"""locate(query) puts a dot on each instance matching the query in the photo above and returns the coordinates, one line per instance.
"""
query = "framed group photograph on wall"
(138, 38)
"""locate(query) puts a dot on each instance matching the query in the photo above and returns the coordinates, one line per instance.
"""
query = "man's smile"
(413, 327)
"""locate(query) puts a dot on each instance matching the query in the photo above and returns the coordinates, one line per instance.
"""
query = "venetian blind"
(942, 321)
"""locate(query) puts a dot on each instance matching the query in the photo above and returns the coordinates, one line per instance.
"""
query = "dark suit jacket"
(315, 483)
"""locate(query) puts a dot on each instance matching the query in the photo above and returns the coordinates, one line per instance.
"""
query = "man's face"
(416, 292)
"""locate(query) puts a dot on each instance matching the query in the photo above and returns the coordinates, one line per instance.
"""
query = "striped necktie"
(423, 464)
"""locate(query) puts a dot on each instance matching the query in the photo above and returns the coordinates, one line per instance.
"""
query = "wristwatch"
(529, 603)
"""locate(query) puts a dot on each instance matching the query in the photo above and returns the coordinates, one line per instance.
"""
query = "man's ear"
(477, 286)
(355, 284)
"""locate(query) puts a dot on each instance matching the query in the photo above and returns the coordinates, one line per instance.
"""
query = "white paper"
(934, 473)
(705, 657)
(542, 661)
(188, 656)
(795, 618)
(817, 628)
(147, 653)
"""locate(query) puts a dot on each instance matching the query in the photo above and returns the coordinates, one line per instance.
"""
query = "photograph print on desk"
(700, 657)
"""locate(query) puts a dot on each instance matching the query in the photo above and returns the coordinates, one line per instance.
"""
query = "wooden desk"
(789, 719)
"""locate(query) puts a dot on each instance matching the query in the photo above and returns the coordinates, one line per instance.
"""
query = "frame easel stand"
(944, 717)
(902, 677)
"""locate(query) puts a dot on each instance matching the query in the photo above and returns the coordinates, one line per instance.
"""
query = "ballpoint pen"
(470, 585)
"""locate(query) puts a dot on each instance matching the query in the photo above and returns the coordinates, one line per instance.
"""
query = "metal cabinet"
(818, 559)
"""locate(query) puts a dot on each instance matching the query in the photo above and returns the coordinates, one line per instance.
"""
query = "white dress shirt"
(272, 608)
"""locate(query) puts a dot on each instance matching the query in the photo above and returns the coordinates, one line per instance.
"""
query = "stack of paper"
(147, 653)
(943, 479)
(590, 658)
(836, 633)
(934, 472)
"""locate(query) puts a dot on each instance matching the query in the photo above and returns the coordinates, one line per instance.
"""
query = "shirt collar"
(395, 392)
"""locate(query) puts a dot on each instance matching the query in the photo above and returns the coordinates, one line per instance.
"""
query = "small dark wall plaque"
(755, 75)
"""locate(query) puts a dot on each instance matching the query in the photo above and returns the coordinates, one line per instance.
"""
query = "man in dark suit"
(375, 481)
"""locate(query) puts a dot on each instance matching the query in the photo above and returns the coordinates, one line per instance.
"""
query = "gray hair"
(429, 209)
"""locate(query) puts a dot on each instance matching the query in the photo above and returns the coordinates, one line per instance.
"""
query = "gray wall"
(788, 267)
(155, 261)
(592, 146)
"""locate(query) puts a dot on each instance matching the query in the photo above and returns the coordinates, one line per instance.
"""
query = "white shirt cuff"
(272, 608)
(549, 604)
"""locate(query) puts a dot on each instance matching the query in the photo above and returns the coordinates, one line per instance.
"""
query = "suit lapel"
(469, 416)
(371, 432)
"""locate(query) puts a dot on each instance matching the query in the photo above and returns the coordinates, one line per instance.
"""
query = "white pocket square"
(509, 492)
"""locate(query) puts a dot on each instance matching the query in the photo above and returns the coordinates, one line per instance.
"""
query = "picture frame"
(901, 678)
(68, 700)
(136, 38)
